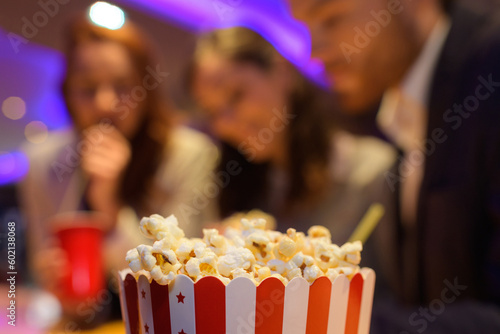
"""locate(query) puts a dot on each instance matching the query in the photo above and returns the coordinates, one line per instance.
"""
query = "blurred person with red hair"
(124, 158)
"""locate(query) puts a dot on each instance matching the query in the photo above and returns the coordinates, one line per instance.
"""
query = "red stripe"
(160, 307)
(269, 308)
(354, 306)
(130, 286)
(210, 306)
(319, 306)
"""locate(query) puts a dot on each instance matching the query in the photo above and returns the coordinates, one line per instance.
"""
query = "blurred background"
(32, 63)
(32, 68)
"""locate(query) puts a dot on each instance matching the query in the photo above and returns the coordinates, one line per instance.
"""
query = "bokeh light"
(107, 15)
(13, 166)
(36, 132)
(14, 108)
(8, 163)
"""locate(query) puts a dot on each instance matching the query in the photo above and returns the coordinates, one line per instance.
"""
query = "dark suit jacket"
(457, 236)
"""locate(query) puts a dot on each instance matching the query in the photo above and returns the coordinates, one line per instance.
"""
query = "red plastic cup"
(81, 236)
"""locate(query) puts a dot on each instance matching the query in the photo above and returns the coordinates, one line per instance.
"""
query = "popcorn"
(316, 234)
(317, 231)
(298, 264)
(201, 249)
(274, 236)
(148, 261)
(262, 273)
(333, 273)
(277, 266)
(164, 244)
(160, 277)
(156, 227)
(239, 272)
(295, 272)
(134, 260)
(234, 221)
(352, 252)
(215, 241)
(289, 245)
(185, 251)
(248, 251)
(301, 261)
(193, 268)
(253, 224)
(197, 268)
(313, 272)
(281, 278)
(326, 255)
(260, 245)
(161, 263)
(236, 257)
(234, 236)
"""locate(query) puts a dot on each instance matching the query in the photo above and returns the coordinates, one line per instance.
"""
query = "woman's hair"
(308, 134)
(148, 144)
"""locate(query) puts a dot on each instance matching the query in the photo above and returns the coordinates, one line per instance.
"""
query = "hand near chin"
(104, 165)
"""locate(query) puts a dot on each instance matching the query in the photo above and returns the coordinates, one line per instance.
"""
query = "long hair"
(148, 145)
(308, 134)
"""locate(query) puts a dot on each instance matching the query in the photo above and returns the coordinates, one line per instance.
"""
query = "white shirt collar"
(399, 122)
(417, 81)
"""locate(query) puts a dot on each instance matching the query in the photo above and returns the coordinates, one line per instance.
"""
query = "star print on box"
(182, 332)
(182, 305)
(144, 296)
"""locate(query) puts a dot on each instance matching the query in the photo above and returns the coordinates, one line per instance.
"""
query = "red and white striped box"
(210, 307)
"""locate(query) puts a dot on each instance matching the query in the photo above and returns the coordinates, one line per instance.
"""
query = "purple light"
(270, 18)
(13, 167)
(33, 72)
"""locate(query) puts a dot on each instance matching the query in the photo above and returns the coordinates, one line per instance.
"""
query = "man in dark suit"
(432, 69)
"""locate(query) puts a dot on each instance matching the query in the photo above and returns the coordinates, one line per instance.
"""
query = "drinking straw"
(368, 223)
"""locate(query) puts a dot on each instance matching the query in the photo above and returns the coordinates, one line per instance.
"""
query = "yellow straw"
(368, 223)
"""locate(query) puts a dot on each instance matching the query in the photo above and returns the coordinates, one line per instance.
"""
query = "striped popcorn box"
(210, 307)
